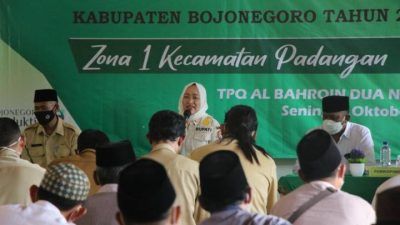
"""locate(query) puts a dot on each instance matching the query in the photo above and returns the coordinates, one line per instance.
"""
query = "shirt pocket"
(37, 154)
(61, 151)
(203, 135)
(36, 151)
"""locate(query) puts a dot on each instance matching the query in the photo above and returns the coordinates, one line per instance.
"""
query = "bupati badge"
(207, 121)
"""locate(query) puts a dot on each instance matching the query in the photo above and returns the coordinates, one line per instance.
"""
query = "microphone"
(186, 114)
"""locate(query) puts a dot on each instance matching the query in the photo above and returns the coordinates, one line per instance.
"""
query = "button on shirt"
(338, 208)
(38, 213)
(42, 148)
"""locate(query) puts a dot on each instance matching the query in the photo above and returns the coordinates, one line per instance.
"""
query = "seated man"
(146, 195)
(111, 159)
(388, 184)
(166, 135)
(51, 138)
(347, 135)
(226, 193)
(85, 158)
(17, 175)
(323, 174)
(57, 201)
(388, 207)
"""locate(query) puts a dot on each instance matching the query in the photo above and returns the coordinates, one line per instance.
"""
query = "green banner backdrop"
(115, 63)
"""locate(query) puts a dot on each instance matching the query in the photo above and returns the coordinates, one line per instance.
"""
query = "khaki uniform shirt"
(86, 161)
(184, 175)
(41, 148)
(17, 176)
(261, 178)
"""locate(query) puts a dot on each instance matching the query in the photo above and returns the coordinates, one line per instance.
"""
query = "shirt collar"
(347, 132)
(226, 212)
(230, 207)
(321, 185)
(59, 129)
(8, 152)
(87, 152)
(48, 207)
(163, 146)
(228, 141)
(108, 188)
(195, 122)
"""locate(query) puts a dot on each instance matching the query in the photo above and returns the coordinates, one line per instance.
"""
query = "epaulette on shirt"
(32, 126)
(207, 121)
(70, 126)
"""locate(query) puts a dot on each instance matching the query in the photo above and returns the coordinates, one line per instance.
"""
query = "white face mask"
(12, 144)
(332, 127)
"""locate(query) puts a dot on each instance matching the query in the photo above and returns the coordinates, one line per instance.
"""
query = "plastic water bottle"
(385, 154)
(398, 161)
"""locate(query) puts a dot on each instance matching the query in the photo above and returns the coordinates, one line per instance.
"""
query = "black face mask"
(44, 117)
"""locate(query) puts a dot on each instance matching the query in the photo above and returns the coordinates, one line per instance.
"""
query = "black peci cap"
(222, 176)
(145, 192)
(318, 155)
(45, 95)
(115, 154)
(335, 103)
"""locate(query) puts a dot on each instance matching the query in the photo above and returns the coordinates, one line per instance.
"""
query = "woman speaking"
(201, 128)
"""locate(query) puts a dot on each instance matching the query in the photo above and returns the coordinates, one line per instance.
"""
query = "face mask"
(332, 127)
(44, 117)
(12, 144)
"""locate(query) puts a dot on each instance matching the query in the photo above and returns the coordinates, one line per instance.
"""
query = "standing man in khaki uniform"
(17, 175)
(166, 135)
(85, 158)
(51, 138)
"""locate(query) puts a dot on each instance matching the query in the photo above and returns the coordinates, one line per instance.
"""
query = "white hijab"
(203, 101)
